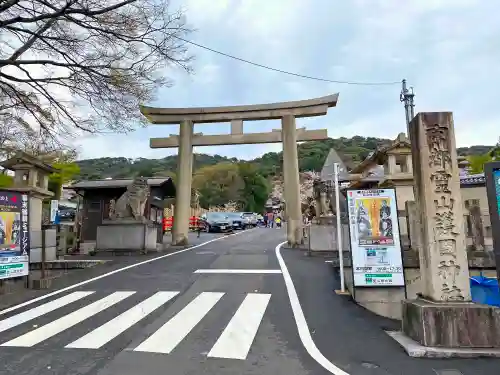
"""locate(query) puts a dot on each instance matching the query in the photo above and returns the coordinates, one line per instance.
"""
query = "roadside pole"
(336, 168)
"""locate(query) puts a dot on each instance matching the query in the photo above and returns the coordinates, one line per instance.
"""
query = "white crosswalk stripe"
(41, 310)
(237, 338)
(108, 331)
(57, 326)
(234, 342)
(173, 332)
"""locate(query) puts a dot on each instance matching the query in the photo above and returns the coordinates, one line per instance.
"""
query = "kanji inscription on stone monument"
(443, 258)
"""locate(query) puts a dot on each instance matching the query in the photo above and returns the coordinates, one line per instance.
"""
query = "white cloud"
(207, 74)
(445, 48)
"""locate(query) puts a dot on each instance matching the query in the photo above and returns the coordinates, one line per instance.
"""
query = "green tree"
(255, 190)
(477, 162)
(217, 184)
(495, 152)
(6, 181)
(64, 162)
(67, 172)
(312, 156)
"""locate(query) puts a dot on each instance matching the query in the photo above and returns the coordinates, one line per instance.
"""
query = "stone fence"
(477, 228)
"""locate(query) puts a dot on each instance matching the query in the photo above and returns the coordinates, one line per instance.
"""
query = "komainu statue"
(320, 190)
(132, 203)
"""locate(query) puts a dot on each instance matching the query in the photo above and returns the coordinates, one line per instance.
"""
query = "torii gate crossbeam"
(289, 135)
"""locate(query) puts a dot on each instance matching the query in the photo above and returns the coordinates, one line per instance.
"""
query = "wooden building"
(97, 194)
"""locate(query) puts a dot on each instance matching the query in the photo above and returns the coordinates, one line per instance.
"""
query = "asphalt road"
(231, 306)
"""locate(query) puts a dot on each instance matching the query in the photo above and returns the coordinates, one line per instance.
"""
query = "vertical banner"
(54, 206)
(375, 242)
(492, 175)
(496, 181)
(14, 234)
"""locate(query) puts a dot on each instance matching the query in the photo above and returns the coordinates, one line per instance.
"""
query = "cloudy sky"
(448, 50)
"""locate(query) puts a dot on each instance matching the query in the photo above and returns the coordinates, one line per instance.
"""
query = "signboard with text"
(14, 234)
(54, 206)
(492, 175)
(375, 241)
(496, 179)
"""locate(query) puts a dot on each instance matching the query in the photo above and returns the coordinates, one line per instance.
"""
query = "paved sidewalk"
(352, 337)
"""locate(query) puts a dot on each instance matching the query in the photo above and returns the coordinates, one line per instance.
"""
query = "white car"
(249, 219)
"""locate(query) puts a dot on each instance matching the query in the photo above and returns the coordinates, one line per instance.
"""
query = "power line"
(286, 72)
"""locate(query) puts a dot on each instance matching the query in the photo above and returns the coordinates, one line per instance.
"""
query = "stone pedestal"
(452, 325)
(124, 235)
(323, 236)
(327, 220)
(36, 245)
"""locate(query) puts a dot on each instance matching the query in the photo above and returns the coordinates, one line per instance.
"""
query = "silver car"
(249, 219)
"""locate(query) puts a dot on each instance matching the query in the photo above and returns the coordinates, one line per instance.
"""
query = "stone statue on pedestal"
(128, 229)
(132, 203)
(320, 190)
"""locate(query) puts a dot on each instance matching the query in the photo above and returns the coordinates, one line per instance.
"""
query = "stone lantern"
(31, 175)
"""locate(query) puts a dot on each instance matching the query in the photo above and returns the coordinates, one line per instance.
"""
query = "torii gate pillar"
(182, 206)
(292, 183)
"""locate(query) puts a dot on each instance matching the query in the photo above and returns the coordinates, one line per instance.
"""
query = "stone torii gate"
(288, 134)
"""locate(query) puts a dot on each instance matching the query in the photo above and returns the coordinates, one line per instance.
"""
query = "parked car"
(215, 222)
(260, 219)
(249, 219)
(236, 219)
(67, 213)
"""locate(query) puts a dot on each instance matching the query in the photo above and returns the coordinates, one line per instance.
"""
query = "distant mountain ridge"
(312, 156)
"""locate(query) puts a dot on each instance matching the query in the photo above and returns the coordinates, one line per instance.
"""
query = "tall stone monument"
(444, 316)
(437, 188)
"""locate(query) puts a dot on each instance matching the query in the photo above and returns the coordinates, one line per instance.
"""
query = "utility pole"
(407, 97)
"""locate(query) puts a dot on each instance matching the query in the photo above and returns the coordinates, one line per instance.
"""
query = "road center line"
(237, 271)
(301, 322)
(29, 302)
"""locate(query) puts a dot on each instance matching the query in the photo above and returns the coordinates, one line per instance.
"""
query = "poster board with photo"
(375, 239)
(14, 234)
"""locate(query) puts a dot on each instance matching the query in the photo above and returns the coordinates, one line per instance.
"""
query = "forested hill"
(312, 156)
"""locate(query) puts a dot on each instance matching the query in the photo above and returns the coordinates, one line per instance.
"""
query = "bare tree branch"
(66, 9)
(6, 4)
(69, 66)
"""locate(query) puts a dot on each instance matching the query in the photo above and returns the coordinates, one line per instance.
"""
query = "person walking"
(270, 219)
(278, 221)
(305, 222)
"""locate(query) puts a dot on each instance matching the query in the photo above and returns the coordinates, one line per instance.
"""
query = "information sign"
(375, 242)
(14, 234)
